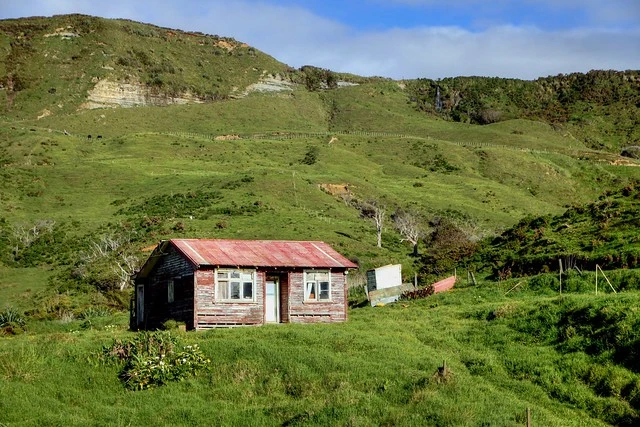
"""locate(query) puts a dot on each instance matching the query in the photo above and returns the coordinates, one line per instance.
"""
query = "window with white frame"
(235, 285)
(317, 285)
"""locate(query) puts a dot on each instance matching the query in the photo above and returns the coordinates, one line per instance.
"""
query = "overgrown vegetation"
(603, 232)
(11, 321)
(555, 355)
(575, 100)
(155, 358)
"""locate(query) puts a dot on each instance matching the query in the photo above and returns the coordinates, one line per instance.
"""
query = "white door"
(272, 308)
(140, 304)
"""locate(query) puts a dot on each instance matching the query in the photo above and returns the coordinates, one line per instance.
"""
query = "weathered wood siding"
(157, 308)
(301, 311)
(211, 313)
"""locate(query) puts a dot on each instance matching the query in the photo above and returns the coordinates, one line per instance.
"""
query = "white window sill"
(236, 301)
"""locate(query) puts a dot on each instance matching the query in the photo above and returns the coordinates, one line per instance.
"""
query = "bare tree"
(25, 235)
(124, 267)
(115, 250)
(375, 211)
(410, 226)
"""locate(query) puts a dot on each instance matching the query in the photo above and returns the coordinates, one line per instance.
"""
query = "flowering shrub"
(155, 358)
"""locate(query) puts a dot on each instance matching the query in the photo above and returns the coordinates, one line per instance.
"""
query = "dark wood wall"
(157, 309)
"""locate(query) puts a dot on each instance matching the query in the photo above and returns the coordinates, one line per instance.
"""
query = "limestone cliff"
(110, 94)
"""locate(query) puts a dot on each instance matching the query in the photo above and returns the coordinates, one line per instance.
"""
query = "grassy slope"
(171, 61)
(381, 361)
(376, 369)
(599, 107)
(603, 232)
(85, 182)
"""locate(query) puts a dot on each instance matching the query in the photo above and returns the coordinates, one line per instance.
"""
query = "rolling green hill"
(223, 141)
(80, 53)
(251, 163)
(604, 232)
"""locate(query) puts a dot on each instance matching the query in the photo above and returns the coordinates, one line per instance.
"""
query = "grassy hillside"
(78, 51)
(159, 172)
(599, 107)
(504, 354)
(300, 164)
(603, 232)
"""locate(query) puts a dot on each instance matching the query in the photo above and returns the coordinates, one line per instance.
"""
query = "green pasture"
(503, 354)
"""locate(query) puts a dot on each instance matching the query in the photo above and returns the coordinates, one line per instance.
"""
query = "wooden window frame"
(227, 281)
(316, 298)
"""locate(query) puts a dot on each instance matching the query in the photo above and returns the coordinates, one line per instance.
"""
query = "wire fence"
(303, 135)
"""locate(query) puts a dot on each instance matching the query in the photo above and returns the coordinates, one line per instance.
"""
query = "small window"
(235, 285)
(170, 291)
(317, 286)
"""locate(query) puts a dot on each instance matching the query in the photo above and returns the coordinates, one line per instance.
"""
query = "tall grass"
(505, 354)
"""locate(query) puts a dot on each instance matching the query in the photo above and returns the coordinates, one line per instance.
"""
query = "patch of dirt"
(227, 137)
(225, 44)
(624, 162)
(45, 113)
(335, 189)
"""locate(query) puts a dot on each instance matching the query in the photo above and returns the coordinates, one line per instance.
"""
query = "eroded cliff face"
(110, 94)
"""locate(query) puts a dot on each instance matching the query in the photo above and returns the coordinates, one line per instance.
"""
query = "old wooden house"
(210, 283)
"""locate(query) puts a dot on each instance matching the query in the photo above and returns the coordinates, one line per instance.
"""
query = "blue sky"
(399, 38)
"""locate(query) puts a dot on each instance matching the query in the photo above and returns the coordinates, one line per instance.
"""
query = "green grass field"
(379, 368)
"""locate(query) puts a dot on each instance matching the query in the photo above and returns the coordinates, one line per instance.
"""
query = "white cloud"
(298, 37)
(503, 51)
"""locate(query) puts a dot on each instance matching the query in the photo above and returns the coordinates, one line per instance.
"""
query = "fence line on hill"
(302, 135)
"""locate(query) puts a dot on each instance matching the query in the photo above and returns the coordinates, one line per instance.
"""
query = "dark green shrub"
(545, 282)
(311, 156)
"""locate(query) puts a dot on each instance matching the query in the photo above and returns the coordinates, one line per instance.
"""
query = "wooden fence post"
(528, 417)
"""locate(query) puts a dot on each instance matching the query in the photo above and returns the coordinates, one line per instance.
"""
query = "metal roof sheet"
(261, 253)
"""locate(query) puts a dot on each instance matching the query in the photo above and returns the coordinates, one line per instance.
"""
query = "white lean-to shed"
(387, 276)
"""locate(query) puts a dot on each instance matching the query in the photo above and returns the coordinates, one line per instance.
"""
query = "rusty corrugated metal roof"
(261, 253)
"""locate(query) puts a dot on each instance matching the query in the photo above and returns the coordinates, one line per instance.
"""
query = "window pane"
(322, 277)
(324, 291)
(235, 290)
(235, 274)
(311, 290)
(247, 290)
(223, 274)
(223, 289)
